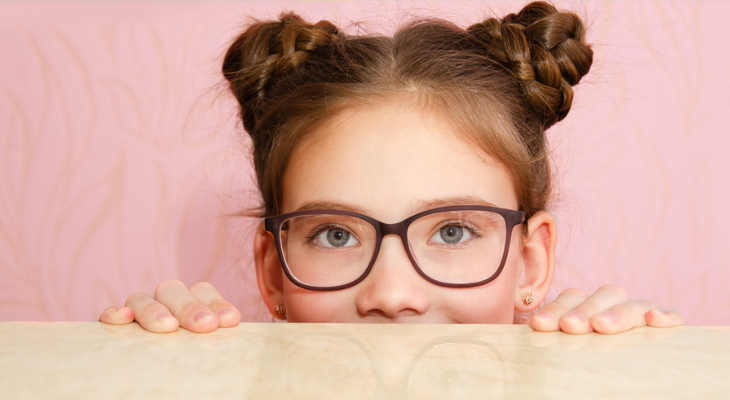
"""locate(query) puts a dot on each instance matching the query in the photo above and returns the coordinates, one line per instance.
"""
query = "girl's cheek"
(488, 310)
(492, 303)
(310, 306)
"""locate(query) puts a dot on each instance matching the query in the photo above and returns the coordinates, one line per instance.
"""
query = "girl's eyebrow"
(330, 205)
(422, 205)
(417, 207)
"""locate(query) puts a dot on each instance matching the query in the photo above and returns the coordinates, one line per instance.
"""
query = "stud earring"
(281, 310)
(527, 298)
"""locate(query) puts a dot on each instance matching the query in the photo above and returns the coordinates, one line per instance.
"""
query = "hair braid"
(545, 50)
(265, 52)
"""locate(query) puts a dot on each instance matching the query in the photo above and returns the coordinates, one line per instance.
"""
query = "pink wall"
(120, 154)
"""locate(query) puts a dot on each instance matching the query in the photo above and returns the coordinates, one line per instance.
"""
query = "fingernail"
(575, 316)
(203, 316)
(544, 315)
(163, 316)
(224, 312)
(609, 316)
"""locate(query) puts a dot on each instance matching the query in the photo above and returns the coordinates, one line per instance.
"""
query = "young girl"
(404, 178)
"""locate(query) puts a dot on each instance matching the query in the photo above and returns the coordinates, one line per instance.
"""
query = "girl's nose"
(393, 289)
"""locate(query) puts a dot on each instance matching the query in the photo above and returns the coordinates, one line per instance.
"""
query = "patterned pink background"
(121, 159)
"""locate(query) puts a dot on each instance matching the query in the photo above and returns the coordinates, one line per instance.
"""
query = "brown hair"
(500, 82)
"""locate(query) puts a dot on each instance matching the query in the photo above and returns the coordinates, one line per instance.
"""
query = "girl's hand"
(606, 311)
(199, 309)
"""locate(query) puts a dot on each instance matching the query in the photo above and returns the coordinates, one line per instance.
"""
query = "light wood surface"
(78, 360)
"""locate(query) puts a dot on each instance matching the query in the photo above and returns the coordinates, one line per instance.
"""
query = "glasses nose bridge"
(398, 229)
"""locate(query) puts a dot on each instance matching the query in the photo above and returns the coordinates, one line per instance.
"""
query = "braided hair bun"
(545, 50)
(267, 51)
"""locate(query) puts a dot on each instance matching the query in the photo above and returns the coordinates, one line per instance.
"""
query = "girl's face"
(390, 162)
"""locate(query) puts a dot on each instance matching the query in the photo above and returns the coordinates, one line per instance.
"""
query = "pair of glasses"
(456, 247)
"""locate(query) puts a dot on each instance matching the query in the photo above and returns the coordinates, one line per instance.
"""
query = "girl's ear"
(268, 269)
(538, 261)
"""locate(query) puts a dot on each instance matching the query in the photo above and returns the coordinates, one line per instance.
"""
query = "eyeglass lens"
(451, 247)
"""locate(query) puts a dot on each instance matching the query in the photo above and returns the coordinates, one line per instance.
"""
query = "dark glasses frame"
(512, 218)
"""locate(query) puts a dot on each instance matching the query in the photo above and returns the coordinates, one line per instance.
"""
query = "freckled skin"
(384, 160)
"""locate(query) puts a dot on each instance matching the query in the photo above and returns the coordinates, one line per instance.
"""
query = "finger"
(117, 315)
(152, 315)
(663, 319)
(227, 314)
(546, 320)
(622, 317)
(577, 320)
(192, 314)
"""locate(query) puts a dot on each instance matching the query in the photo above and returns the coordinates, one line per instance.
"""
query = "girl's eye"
(451, 234)
(335, 238)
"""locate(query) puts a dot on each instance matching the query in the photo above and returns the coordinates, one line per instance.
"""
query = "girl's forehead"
(387, 159)
(386, 121)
